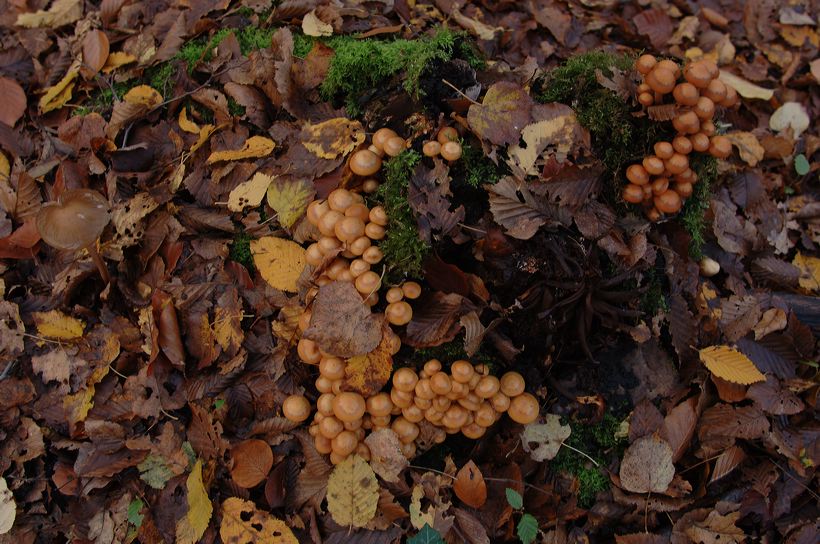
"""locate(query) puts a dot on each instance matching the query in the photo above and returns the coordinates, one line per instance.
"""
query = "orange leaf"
(252, 460)
(469, 486)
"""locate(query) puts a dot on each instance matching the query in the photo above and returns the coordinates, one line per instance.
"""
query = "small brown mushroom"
(74, 221)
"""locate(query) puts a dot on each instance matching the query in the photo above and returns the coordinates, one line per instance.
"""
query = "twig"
(7, 370)
(594, 462)
(456, 89)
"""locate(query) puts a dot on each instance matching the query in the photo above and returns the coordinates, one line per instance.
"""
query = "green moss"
(361, 65)
(302, 44)
(404, 251)
(240, 250)
(598, 441)
(101, 99)
(250, 38)
(235, 108)
(654, 298)
(448, 353)
(476, 168)
(159, 77)
(694, 210)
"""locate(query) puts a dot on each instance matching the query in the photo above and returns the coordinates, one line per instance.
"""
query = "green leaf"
(219, 403)
(801, 165)
(527, 529)
(514, 498)
(427, 535)
(154, 471)
(134, 516)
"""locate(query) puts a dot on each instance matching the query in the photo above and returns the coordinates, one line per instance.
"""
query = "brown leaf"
(679, 427)
(747, 422)
(252, 461)
(169, 339)
(717, 529)
(656, 25)
(13, 105)
(470, 527)
(367, 374)
(502, 114)
(430, 196)
(728, 461)
(205, 434)
(641, 538)
(647, 466)
(469, 485)
(95, 53)
(774, 399)
(436, 319)
(739, 315)
(341, 324)
(386, 457)
(573, 185)
(516, 209)
(645, 420)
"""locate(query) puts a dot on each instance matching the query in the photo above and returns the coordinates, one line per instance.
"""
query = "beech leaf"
(731, 365)
(352, 492)
(469, 485)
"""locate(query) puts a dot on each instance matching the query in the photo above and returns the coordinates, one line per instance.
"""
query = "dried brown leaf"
(341, 323)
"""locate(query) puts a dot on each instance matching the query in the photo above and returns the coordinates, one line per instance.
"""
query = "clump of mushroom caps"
(367, 162)
(420, 407)
(664, 180)
(75, 221)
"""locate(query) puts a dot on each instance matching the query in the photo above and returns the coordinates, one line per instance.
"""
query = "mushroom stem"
(98, 260)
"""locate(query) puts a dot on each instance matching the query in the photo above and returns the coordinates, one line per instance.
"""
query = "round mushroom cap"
(75, 220)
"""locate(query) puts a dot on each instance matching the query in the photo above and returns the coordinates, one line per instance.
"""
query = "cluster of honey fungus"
(466, 400)
(664, 180)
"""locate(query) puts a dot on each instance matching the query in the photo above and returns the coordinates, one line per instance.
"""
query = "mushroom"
(75, 221)
(296, 408)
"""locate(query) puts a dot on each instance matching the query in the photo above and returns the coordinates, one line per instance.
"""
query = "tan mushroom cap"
(75, 220)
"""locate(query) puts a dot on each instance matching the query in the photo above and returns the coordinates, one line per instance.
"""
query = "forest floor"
(231, 304)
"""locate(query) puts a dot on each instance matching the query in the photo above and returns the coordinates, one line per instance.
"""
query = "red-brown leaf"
(252, 460)
(469, 486)
(13, 105)
(95, 52)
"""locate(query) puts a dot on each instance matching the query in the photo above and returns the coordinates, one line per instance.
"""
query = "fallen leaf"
(252, 461)
(731, 365)
(717, 529)
(254, 147)
(341, 324)
(135, 103)
(558, 129)
(656, 25)
(469, 485)
(352, 492)
(543, 440)
(289, 198)
(57, 325)
(57, 95)
(809, 271)
(333, 138)
(313, 26)
(243, 523)
(186, 124)
(475, 27)
(503, 113)
(516, 209)
(748, 146)
(117, 59)
(61, 13)
(367, 374)
(386, 457)
(745, 88)
(95, 53)
(249, 193)
(13, 105)
(790, 115)
(647, 466)
(280, 261)
(774, 398)
(192, 526)
(8, 508)
(773, 319)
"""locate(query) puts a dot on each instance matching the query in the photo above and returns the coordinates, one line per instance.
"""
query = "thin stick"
(97, 260)
(582, 453)
(456, 89)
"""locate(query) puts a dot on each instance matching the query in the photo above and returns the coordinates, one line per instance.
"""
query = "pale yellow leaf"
(748, 146)
(255, 146)
(55, 324)
(279, 261)
(57, 95)
(418, 518)
(192, 526)
(176, 179)
(243, 523)
(289, 198)
(61, 13)
(5, 167)
(773, 319)
(227, 327)
(186, 124)
(809, 271)
(790, 115)
(8, 508)
(117, 59)
(745, 88)
(286, 326)
(313, 26)
(352, 492)
(78, 405)
(730, 365)
(249, 193)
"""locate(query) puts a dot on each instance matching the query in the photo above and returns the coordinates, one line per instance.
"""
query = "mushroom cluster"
(446, 144)
(367, 162)
(663, 181)
(466, 400)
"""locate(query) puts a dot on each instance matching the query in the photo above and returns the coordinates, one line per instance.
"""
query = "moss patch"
(404, 251)
(694, 210)
(449, 353)
(239, 250)
(475, 168)
(597, 441)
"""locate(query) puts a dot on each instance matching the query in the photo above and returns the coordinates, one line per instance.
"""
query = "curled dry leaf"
(8, 508)
(469, 485)
(790, 115)
(341, 324)
(254, 147)
(747, 146)
(252, 461)
(647, 466)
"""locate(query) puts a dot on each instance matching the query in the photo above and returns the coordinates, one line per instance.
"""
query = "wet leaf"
(352, 492)
(731, 365)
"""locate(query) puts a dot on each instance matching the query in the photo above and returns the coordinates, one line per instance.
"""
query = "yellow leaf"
(368, 373)
(5, 167)
(117, 59)
(55, 324)
(731, 365)
(279, 261)
(313, 26)
(204, 134)
(286, 327)
(809, 271)
(243, 523)
(289, 198)
(57, 95)
(418, 518)
(78, 405)
(8, 508)
(352, 492)
(255, 146)
(227, 327)
(61, 13)
(748, 146)
(143, 95)
(745, 88)
(249, 193)
(186, 124)
(334, 137)
(192, 526)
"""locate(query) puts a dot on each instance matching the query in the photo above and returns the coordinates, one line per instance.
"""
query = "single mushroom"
(75, 221)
